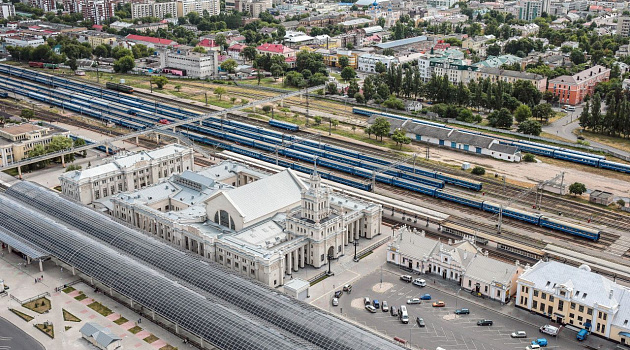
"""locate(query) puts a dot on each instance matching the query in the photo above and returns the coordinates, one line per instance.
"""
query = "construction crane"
(539, 187)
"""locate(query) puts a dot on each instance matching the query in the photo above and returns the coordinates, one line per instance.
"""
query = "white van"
(404, 317)
(570, 108)
(549, 329)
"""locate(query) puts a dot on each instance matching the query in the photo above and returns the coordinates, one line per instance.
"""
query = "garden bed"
(39, 305)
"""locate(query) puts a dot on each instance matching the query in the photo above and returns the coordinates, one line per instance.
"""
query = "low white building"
(367, 62)
(100, 336)
(126, 172)
(23, 41)
(460, 261)
(258, 225)
(195, 64)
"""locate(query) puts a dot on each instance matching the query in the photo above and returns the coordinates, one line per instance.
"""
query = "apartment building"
(571, 89)
(126, 172)
(23, 41)
(154, 9)
(186, 6)
(509, 76)
(6, 11)
(367, 62)
(623, 25)
(46, 5)
(578, 297)
(99, 11)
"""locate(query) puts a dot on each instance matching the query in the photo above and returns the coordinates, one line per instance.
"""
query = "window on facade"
(534, 304)
(535, 293)
(581, 308)
(543, 296)
(571, 315)
(589, 311)
(551, 298)
(322, 257)
(560, 305)
(470, 283)
(486, 289)
(97, 194)
(572, 306)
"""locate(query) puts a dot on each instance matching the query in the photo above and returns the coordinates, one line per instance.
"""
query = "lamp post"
(355, 243)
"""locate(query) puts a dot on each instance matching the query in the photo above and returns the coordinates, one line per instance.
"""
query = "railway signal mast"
(539, 187)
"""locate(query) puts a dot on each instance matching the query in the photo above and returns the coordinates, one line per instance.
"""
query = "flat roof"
(18, 129)
(401, 42)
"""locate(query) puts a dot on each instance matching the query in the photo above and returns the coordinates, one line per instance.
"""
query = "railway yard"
(556, 220)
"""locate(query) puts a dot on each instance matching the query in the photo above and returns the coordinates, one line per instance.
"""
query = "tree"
(78, 143)
(124, 64)
(159, 81)
(317, 119)
(229, 65)
(73, 167)
(38, 150)
(331, 88)
(526, 92)
(59, 143)
(353, 88)
(400, 138)
(577, 188)
(529, 158)
(199, 49)
(478, 171)
(220, 40)
(27, 114)
(501, 118)
(334, 123)
(359, 98)
(249, 53)
(348, 74)
(577, 56)
(219, 91)
(394, 103)
(276, 70)
(522, 113)
(380, 67)
(493, 50)
(542, 111)
(530, 127)
(381, 127)
(178, 87)
(72, 63)
(343, 62)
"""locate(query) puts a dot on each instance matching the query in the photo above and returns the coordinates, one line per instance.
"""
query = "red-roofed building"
(98, 27)
(291, 61)
(209, 44)
(275, 49)
(150, 41)
(571, 89)
(235, 51)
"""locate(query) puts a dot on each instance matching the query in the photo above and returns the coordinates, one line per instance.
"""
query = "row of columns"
(292, 261)
(28, 259)
(352, 232)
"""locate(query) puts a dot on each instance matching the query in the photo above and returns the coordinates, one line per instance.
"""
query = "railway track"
(424, 198)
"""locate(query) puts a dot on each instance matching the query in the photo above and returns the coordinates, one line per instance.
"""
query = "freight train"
(570, 155)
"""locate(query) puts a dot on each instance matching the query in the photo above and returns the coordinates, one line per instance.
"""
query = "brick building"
(571, 89)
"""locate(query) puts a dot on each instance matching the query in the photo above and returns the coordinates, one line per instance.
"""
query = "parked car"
(462, 311)
(414, 301)
(425, 297)
(484, 323)
(367, 301)
(582, 334)
(549, 329)
(540, 342)
(370, 308)
(533, 347)
(580, 137)
(335, 302)
(384, 306)
(519, 334)
(347, 288)
(338, 294)
(420, 282)
(376, 304)
(406, 278)
(439, 304)
(393, 311)
(420, 322)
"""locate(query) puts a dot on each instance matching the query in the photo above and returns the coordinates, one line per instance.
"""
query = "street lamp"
(355, 243)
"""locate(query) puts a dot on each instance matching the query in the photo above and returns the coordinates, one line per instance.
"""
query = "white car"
(533, 347)
(414, 301)
(370, 308)
(519, 334)
(420, 282)
(335, 302)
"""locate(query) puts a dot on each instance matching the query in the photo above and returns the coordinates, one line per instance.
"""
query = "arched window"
(222, 218)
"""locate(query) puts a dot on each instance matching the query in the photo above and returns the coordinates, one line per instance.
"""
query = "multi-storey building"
(275, 49)
(98, 11)
(457, 71)
(7, 10)
(367, 62)
(46, 5)
(509, 76)
(193, 64)
(23, 41)
(254, 7)
(17, 140)
(126, 172)
(578, 297)
(154, 9)
(216, 214)
(441, 3)
(184, 7)
(623, 25)
(571, 89)
(528, 10)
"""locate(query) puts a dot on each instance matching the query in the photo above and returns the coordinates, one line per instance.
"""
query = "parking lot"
(443, 327)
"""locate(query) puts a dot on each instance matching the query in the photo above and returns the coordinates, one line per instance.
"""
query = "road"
(565, 126)
(443, 327)
(11, 337)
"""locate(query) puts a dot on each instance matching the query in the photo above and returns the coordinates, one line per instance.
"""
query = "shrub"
(478, 170)
(528, 157)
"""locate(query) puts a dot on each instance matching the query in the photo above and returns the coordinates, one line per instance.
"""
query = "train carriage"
(572, 229)
(461, 199)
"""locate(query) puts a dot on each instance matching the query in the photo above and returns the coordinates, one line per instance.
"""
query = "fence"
(22, 302)
(363, 252)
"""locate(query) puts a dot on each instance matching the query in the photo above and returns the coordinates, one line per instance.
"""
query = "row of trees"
(614, 121)
(57, 143)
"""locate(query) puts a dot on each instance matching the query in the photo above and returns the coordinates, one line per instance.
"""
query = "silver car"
(519, 334)
(335, 302)
(384, 306)
(370, 308)
(414, 301)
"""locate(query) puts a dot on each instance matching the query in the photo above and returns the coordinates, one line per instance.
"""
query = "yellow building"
(99, 38)
(17, 140)
(577, 297)
(332, 59)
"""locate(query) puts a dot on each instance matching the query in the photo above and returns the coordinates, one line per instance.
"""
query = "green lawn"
(67, 316)
(267, 82)
(48, 330)
(80, 297)
(69, 290)
(22, 315)
(135, 330)
(151, 339)
(40, 305)
(100, 308)
(121, 321)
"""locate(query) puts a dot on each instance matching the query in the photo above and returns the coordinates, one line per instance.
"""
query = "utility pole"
(306, 89)
(427, 155)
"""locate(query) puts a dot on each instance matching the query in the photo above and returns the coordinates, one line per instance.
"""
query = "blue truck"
(582, 335)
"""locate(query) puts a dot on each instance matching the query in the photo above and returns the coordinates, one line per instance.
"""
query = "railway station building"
(126, 172)
(460, 261)
(259, 225)
(576, 297)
